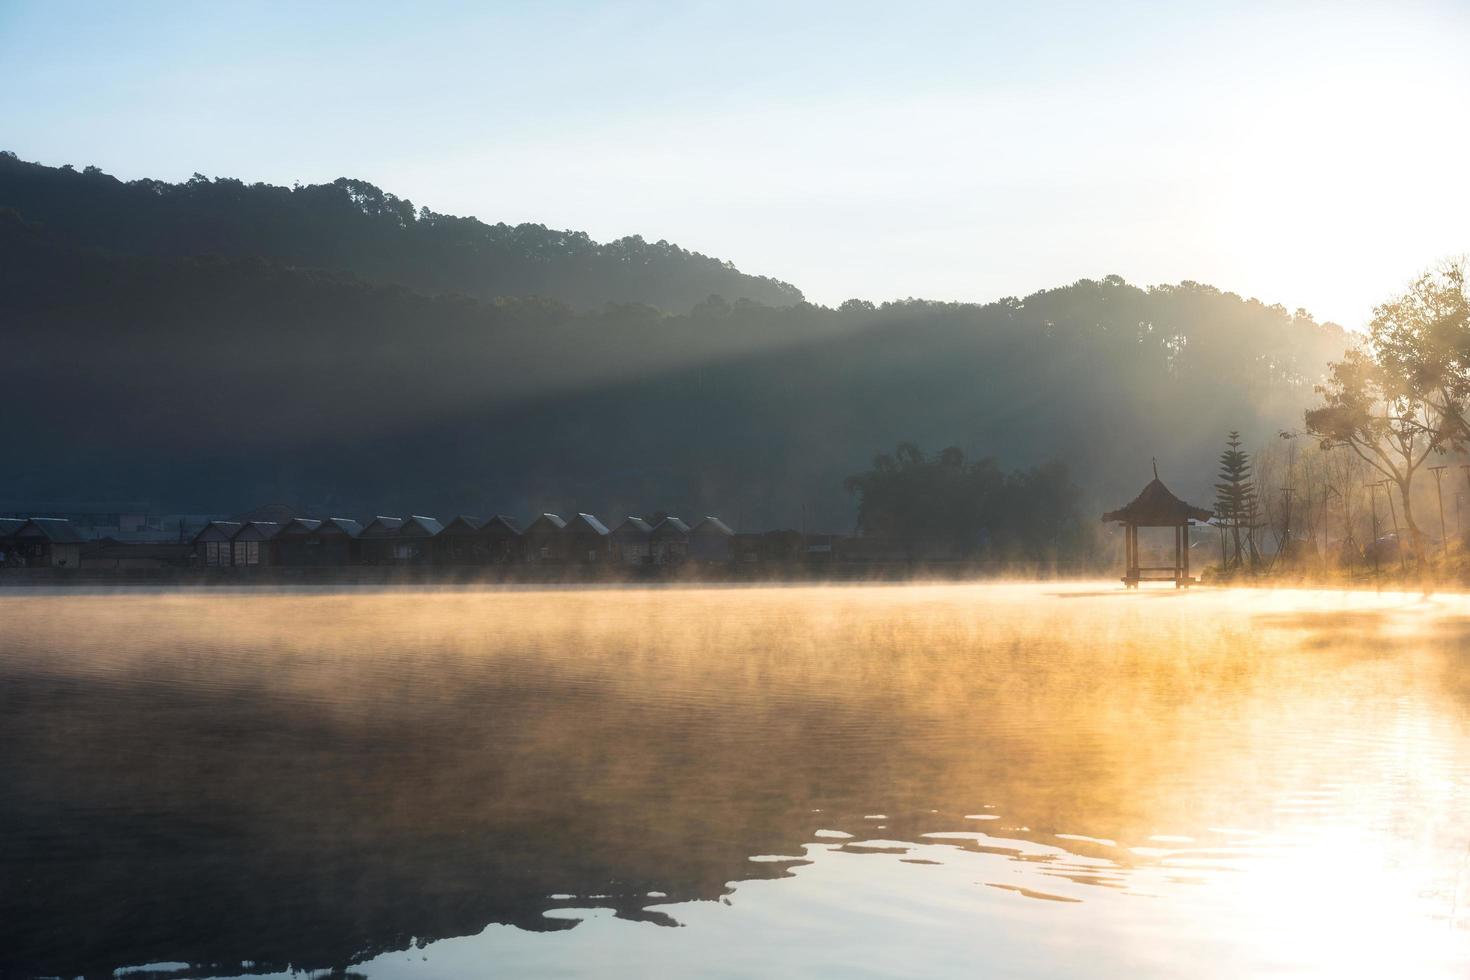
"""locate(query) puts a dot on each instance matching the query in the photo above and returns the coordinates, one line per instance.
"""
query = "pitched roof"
(218, 531)
(551, 519)
(464, 523)
(300, 525)
(265, 530)
(671, 525)
(57, 529)
(381, 527)
(1157, 507)
(712, 524)
(9, 525)
(343, 525)
(634, 524)
(502, 521)
(417, 526)
(268, 514)
(589, 522)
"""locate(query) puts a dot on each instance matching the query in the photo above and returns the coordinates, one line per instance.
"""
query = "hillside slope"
(216, 384)
(352, 226)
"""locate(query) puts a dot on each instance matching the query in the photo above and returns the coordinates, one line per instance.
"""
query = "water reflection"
(252, 783)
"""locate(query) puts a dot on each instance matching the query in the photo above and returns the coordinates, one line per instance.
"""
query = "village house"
(212, 544)
(460, 543)
(251, 545)
(414, 541)
(376, 541)
(822, 549)
(48, 542)
(336, 541)
(91, 519)
(669, 541)
(748, 548)
(9, 556)
(587, 540)
(501, 540)
(710, 541)
(294, 545)
(546, 540)
(630, 542)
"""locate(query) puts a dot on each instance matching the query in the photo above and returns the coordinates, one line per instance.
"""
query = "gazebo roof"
(1157, 507)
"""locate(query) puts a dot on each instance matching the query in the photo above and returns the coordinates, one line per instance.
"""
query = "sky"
(1313, 155)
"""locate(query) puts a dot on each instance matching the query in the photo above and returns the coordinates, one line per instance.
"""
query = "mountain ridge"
(351, 225)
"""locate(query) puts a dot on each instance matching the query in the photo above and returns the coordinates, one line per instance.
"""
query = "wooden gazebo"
(1157, 507)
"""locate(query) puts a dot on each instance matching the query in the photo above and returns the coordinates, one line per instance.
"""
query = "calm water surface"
(1029, 781)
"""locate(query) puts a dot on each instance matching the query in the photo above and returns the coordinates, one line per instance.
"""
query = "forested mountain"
(213, 384)
(352, 226)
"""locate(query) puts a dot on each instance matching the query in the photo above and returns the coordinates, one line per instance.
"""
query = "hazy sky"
(1312, 155)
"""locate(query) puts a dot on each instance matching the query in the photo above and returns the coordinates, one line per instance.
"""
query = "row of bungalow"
(499, 540)
(39, 542)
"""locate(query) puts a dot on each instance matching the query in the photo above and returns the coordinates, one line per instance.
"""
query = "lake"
(1047, 780)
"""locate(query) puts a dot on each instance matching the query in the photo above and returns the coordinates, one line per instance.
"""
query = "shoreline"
(430, 575)
(18, 581)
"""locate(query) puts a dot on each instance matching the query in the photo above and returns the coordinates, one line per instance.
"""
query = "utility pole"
(1286, 494)
(1444, 534)
(1398, 537)
(1373, 505)
(1347, 527)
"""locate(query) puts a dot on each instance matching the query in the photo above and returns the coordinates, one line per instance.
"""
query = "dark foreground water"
(1035, 781)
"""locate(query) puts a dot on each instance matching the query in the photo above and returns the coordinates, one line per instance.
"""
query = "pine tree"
(1235, 495)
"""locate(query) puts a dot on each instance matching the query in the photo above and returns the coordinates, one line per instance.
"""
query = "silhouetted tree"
(1235, 494)
(1382, 416)
(1422, 338)
(945, 507)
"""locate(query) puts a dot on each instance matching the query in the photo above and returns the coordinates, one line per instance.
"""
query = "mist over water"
(1018, 780)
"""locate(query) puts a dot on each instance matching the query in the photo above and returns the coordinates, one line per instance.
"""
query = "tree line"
(1398, 400)
(353, 226)
(1349, 487)
(943, 506)
(214, 383)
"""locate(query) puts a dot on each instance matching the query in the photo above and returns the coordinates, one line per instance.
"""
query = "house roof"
(551, 519)
(55, 529)
(418, 526)
(463, 523)
(380, 526)
(671, 525)
(9, 525)
(712, 525)
(300, 525)
(342, 525)
(634, 524)
(1155, 506)
(502, 521)
(589, 522)
(280, 514)
(218, 531)
(265, 530)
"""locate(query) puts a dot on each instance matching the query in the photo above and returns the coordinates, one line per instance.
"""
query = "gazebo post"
(1184, 539)
(1130, 536)
(1127, 553)
(1176, 556)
